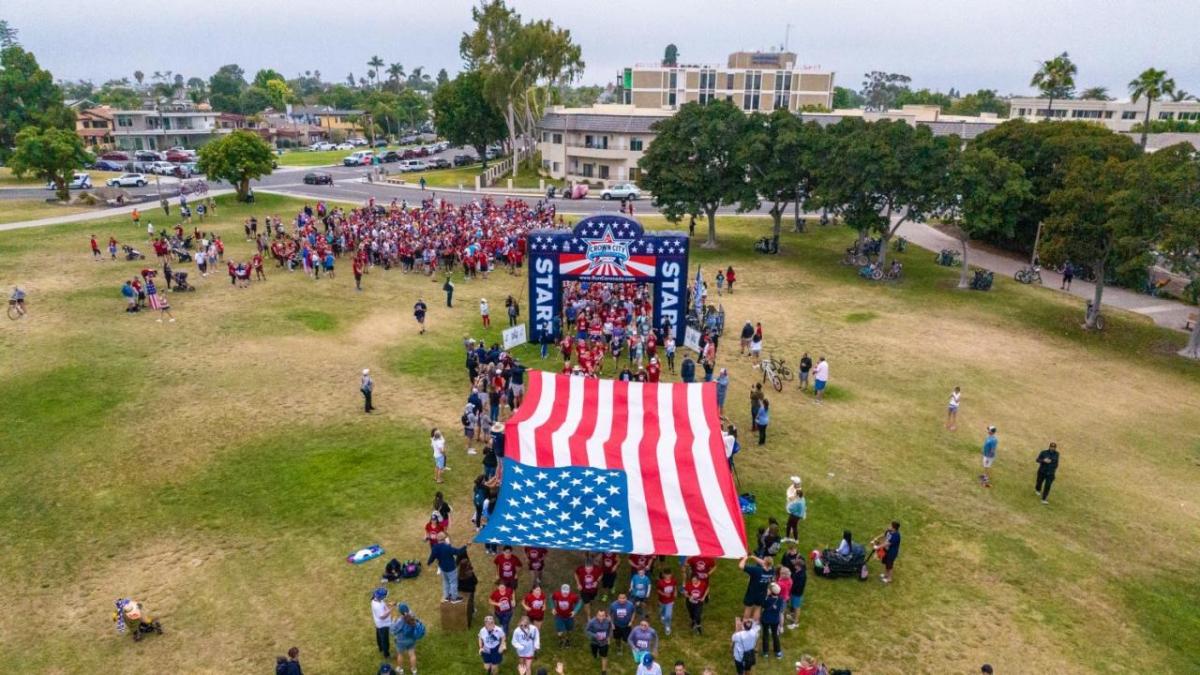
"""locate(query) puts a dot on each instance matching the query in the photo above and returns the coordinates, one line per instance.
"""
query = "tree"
(924, 97)
(396, 74)
(238, 157)
(981, 196)
(984, 100)
(1055, 78)
(225, 88)
(692, 167)
(1151, 85)
(51, 154)
(518, 62)
(338, 96)
(28, 97)
(8, 35)
(886, 174)
(781, 155)
(442, 77)
(265, 75)
(1178, 171)
(670, 56)
(464, 116)
(413, 108)
(846, 99)
(139, 76)
(880, 90)
(1095, 94)
(280, 94)
(117, 96)
(1180, 95)
(375, 64)
(254, 100)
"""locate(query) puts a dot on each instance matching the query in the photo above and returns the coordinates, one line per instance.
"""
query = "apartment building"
(95, 127)
(600, 144)
(1116, 115)
(166, 126)
(750, 80)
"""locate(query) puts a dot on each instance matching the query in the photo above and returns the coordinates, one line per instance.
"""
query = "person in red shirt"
(95, 248)
(609, 562)
(502, 604)
(507, 566)
(535, 606)
(587, 577)
(257, 262)
(696, 593)
(730, 277)
(641, 562)
(357, 267)
(701, 567)
(653, 370)
(667, 590)
(565, 604)
(433, 528)
(537, 562)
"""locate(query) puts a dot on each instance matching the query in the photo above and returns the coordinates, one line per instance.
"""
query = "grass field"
(325, 157)
(220, 468)
(14, 210)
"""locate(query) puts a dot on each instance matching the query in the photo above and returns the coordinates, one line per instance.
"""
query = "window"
(1108, 114)
(753, 85)
(635, 173)
(728, 83)
(546, 164)
(589, 170)
(124, 121)
(1166, 115)
(1087, 114)
(604, 171)
(783, 89)
(1020, 112)
(708, 83)
(1129, 115)
(556, 167)
(557, 139)
(589, 141)
(635, 144)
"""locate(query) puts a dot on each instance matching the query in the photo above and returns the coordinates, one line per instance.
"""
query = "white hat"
(795, 480)
(366, 371)
(566, 588)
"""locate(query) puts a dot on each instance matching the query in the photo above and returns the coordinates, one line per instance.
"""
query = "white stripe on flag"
(639, 516)
(668, 474)
(718, 511)
(528, 450)
(603, 428)
(559, 439)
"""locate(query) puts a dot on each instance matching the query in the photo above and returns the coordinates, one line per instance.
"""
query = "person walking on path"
(730, 277)
(448, 287)
(1047, 461)
(720, 282)
(419, 310)
(367, 387)
(889, 541)
(952, 409)
(382, 615)
(1068, 273)
(806, 365)
(483, 312)
(797, 509)
(761, 420)
(447, 559)
(820, 379)
(989, 456)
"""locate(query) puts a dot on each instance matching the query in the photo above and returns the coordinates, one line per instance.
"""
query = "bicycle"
(1092, 313)
(769, 373)
(854, 258)
(16, 310)
(780, 366)
(1028, 275)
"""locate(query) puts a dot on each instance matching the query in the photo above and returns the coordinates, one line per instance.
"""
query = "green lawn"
(303, 157)
(220, 468)
(14, 210)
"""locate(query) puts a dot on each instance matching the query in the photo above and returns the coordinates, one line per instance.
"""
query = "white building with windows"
(167, 126)
(1116, 115)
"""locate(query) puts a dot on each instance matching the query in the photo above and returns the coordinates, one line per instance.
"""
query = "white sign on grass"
(691, 339)
(514, 336)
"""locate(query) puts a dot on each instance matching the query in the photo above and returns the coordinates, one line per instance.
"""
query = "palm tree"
(1095, 94)
(1151, 85)
(1180, 95)
(1056, 79)
(375, 64)
(395, 73)
(139, 76)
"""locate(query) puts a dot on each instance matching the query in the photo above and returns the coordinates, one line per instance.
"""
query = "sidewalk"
(148, 208)
(1167, 313)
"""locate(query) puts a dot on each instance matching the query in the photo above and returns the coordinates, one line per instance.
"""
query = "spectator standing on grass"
(989, 456)
(446, 557)
(772, 615)
(669, 348)
(419, 310)
(730, 277)
(356, 267)
(437, 442)
(720, 282)
(952, 409)
(889, 541)
(381, 613)
(820, 378)
(806, 365)
(467, 583)
(761, 573)
(408, 630)
(448, 287)
(687, 371)
(797, 508)
(367, 387)
(745, 644)
(1047, 461)
(761, 420)
(722, 389)
(483, 312)
(756, 399)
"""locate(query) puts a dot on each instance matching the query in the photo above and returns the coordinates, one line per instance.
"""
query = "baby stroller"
(181, 282)
(132, 253)
(180, 254)
(830, 564)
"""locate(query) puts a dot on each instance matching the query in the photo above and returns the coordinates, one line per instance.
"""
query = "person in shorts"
(600, 634)
(565, 603)
(806, 365)
(587, 577)
(622, 611)
(820, 379)
(609, 562)
(989, 456)
(419, 310)
(491, 645)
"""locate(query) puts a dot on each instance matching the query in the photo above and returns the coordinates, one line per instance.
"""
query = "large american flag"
(629, 467)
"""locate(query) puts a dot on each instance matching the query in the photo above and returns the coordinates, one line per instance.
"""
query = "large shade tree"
(238, 158)
(1177, 169)
(782, 156)
(28, 97)
(51, 154)
(464, 116)
(694, 166)
(1055, 78)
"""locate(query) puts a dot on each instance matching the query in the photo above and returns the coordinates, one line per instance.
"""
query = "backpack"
(748, 503)
(410, 569)
(418, 630)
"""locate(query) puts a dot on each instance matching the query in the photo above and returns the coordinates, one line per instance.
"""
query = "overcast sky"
(968, 44)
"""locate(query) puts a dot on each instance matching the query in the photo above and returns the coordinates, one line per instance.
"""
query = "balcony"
(618, 150)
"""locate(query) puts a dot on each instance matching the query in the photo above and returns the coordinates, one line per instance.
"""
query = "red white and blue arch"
(607, 248)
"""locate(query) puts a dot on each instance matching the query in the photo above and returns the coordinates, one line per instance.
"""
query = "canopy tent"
(628, 467)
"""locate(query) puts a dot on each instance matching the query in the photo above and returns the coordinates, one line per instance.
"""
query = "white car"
(360, 158)
(162, 168)
(322, 146)
(413, 165)
(128, 180)
(80, 181)
(621, 191)
(357, 142)
(343, 146)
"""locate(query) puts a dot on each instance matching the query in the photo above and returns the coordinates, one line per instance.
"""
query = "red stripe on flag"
(689, 479)
(656, 504)
(543, 442)
(587, 423)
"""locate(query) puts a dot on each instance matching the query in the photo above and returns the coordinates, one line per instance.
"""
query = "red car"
(178, 156)
(115, 156)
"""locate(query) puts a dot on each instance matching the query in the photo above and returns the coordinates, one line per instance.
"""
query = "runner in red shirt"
(564, 601)
(641, 562)
(609, 562)
(667, 589)
(358, 270)
(701, 567)
(587, 577)
(696, 592)
(502, 604)
(535, 606)
(537, 562)
(653, 370)
(507, 566)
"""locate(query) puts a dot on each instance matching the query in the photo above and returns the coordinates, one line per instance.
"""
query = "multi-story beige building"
(1116, 115)
(178, 123)
(750, 80)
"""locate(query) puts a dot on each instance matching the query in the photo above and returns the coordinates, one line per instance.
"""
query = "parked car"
(357, 142)
(413, 165)
(174, 155)
(621, 191)
(147, 156)
(80, 181)
(343, 146)
(360, 158)
(108, 165)
(315, 178)
(183, 170)
(408, 154)
(463, 160)
(321, 146)
(492, 153)
(391, 156)
(381, 143)
(421, 151)
(439, 163)
(163, 168)
(128, 180)
(410, 138)
(193, 168)
(116, 156)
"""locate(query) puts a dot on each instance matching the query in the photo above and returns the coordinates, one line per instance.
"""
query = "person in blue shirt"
(772, 616)
(687, 371)
(447, 560)
(761, 419)
(889, 541)
(989, 456)
(622, 612)
(761, 574)
(639, 590)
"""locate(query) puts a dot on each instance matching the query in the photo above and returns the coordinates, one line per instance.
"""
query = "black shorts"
(608, 580)
(622, 632)
(587, 596)
(747, 662)
(599, 650)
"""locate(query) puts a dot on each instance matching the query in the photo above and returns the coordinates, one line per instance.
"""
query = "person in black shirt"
(419, 310)
(805, 367)
(1047, 461)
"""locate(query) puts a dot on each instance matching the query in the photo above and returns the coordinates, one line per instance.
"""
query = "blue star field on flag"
(573, 507)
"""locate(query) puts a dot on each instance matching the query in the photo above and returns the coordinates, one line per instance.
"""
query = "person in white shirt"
(952, 409)
(820, 378)
(381, 613)
(648, 666)
(491, 645)
(745, 641)
(438, 443)
(527, 640)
